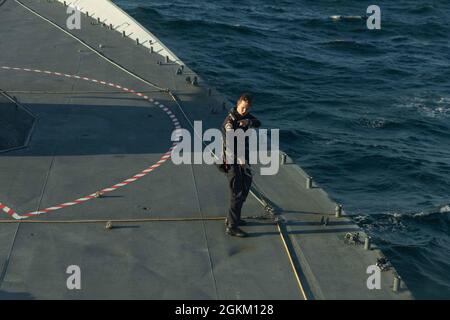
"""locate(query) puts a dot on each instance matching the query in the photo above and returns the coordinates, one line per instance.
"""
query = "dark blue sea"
(365, 112)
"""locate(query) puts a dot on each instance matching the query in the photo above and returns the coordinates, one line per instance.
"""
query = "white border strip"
(109, 13)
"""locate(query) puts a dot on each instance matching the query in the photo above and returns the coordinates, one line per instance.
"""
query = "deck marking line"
(116, 186)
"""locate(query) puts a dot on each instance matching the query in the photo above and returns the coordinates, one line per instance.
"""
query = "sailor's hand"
(240, 161)
(244, 123)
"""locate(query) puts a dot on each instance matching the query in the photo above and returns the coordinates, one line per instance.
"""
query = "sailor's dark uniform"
(239, 176)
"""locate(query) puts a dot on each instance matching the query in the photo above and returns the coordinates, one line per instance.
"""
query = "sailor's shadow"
(320, 227)
(281, 211)
(303, 232)
(324, 231)
(261, 234)
(318, 223)
(255, 223)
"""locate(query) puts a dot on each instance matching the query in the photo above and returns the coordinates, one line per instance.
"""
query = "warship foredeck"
(105, 109)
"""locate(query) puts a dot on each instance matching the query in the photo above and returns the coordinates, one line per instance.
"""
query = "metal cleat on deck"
(98, 194)
(352, 238)
(109, 225)
(383, 264)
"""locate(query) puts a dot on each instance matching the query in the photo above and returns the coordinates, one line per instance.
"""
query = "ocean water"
(366, 113)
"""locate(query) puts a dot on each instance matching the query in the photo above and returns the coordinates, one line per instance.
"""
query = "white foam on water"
(432, 108)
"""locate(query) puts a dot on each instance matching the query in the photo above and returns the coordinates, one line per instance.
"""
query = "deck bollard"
(283, 158)
(109, 225)
(338, 210)
(367, 243)
(309, 182)
(397, 283)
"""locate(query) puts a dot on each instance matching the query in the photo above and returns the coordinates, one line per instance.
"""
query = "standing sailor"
(238, 171)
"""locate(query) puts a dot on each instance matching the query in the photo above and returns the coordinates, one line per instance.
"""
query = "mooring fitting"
(309, 182)
(397, 283)
(338, 211)
(283, 158)
(98, 194)
(194, 81)
(367, 244)
(109, 225)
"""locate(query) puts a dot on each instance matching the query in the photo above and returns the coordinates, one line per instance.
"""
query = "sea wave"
(437, 107)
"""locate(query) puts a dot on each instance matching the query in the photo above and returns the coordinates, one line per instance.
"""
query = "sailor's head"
(244, 104)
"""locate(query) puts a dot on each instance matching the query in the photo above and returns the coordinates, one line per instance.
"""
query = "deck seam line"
(165, 157)
(8, 259)
(204, 233)
(46, 180)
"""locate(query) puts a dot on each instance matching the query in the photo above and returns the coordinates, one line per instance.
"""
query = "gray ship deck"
(89, 136)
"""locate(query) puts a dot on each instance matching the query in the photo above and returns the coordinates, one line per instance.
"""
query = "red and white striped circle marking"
(166, 156)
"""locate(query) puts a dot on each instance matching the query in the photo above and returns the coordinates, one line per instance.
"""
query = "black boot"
(236, 232)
